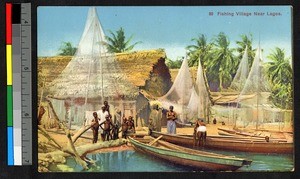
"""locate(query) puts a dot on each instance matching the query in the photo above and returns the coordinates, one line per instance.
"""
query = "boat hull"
(231, 144)
(184, 159)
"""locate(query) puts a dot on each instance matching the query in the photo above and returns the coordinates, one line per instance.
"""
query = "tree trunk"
(70, 149)
(207, 87)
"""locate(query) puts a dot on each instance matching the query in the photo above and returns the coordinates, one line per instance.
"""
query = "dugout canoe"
(231, 144)
(195, 159)
(233, 132)
(229, 132)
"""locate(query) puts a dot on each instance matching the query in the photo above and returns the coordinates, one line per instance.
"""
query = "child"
(106, 129)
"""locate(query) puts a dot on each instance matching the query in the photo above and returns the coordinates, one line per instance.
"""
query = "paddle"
(155, 140)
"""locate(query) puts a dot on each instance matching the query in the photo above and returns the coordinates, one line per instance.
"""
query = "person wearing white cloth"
(201, 132)
(201, 129)
(102, 116)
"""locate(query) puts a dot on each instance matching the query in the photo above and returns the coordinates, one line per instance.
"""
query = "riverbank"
(212, 129)
(86, 139)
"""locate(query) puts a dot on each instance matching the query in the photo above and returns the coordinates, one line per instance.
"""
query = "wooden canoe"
(188, 157)
(232, 144)
(229, 132)
(233, 132)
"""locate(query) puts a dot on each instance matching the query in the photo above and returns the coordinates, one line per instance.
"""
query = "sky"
(169, 27)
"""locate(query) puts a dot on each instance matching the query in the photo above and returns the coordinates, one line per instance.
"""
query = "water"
(263, 162)
(131, 161)
(124, 161)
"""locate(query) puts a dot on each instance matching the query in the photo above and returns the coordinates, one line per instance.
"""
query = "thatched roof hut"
(144, 69)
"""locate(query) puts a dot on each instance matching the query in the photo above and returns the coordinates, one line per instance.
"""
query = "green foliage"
(223, 63)
(174, 64)
(280, 74)
(200, 50)
(117, 43)
(66, 49)
(281, 96)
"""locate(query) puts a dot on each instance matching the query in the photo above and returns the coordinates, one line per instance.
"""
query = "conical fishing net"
(241, 75)
(199, 101)
(257, 89)
(91, 77)
(257, 79)
(180, 92)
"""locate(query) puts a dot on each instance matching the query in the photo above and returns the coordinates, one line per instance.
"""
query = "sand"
(212, 129)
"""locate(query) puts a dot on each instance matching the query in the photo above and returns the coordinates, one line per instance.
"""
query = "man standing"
(131, 126)
(95, 127)
(156, 117)
(103, 114)
(171, 117)
(106, 107)
(124, 127)
(201, 132)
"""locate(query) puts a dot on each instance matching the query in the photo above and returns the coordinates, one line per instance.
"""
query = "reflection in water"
(126, 161)
(263, 162)
(131, 161)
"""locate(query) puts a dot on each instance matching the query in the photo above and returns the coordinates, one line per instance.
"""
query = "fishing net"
(241, 75)
(257, 79)
(180, 92)
(199, 101)
(251, 110)
(189, 101)
(91, 77)
(252, 106)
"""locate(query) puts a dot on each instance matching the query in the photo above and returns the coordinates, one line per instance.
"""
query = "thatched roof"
(136, 65)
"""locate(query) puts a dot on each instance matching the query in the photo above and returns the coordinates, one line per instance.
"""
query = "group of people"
(127, 126)
(199, 129)
(171, 121)
(103, 124)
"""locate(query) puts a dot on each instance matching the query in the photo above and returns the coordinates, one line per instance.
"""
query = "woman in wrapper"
(171, 117)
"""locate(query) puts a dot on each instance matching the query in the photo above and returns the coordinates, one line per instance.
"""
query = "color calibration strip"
(9, 105)
(18, 63)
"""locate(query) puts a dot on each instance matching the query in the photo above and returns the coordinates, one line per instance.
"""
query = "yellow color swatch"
(9, 64)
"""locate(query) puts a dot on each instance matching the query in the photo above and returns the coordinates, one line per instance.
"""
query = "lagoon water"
(131, 161)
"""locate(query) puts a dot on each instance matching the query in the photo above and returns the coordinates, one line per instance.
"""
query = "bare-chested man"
(107, 126)
(95, 127)
(124, 127)
(131, 127)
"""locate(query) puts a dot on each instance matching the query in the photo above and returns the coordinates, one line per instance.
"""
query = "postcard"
(165, 89)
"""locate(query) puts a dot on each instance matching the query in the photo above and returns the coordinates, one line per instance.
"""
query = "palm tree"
(246, 41)
(280, 74)
(117, 42)
(223, 64)
(279, 69)
(201, 50)
(67, 49)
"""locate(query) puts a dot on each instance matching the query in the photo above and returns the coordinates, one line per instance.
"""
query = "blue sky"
(168, 27)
